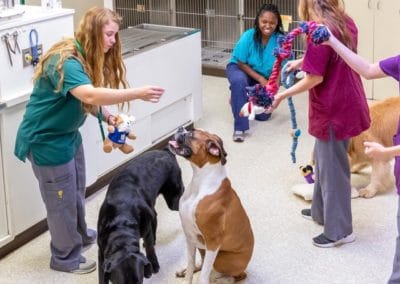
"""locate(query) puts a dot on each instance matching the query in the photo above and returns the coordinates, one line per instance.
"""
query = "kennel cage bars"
(221, 21)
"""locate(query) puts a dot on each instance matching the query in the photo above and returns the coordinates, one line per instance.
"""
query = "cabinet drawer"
(168, 119)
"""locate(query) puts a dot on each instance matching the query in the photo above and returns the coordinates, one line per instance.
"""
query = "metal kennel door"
(221, 21)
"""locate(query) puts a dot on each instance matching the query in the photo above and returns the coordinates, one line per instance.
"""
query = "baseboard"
(213, 71)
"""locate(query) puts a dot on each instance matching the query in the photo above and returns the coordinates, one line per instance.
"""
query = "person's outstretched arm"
(105, 96)
(308, 82)
(356, 62)
(380, 152)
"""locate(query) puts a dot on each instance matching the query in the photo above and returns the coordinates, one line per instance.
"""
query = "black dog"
(127, 214)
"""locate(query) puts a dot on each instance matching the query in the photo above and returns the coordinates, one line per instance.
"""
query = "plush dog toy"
(251, 110)
(117, 134)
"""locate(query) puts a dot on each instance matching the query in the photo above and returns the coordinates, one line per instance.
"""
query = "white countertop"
(24, 14)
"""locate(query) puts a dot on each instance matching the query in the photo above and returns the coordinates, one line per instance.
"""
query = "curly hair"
(330, 13)
(267, 8)
(104, 69)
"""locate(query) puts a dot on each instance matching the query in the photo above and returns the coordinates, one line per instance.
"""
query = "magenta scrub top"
(339, 101)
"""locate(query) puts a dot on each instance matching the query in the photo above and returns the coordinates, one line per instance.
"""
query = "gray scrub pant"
(63, 192)
(395, 277)
(331, 204)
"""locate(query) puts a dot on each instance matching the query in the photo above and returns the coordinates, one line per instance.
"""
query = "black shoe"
(263, 116)
(323, 242)
(306, 213)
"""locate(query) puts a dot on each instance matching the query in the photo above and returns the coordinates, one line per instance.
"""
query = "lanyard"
(100, 118)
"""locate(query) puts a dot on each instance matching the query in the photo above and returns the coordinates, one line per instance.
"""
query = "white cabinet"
(5, 234)
(378, 22)
(21, 205)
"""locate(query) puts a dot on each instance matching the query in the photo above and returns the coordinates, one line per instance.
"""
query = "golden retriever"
(384, 118)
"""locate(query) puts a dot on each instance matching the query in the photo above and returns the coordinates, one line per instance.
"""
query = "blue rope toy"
(288, 80)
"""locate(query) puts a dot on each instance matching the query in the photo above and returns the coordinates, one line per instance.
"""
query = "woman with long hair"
(75, 77)
(338, 110)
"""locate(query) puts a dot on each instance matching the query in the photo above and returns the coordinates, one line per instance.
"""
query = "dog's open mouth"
(181, 150)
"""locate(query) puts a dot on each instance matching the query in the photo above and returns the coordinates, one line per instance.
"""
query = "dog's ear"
(114, 260)
(110, 263)
(173, 189)
(216, 148)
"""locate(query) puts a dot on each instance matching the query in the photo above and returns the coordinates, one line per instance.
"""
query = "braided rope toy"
(263, 97)
(288, 80)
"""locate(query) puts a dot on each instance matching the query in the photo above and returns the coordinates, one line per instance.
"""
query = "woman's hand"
(277, 100)
(293, 65)
(111, 120)
(331, 38)
(151, 93)
(377, 151)
(263, 81)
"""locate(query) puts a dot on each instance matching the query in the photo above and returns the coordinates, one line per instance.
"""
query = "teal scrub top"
(261, 59)
(50, 126)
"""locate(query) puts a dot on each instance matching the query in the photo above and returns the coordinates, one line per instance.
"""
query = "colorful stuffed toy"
(117, 134)
(308, 173)
(306, 190)
(250, 109)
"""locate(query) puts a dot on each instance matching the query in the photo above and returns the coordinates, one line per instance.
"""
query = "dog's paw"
(367, 192)
(223, 280)
(181, 273)
(219, 278)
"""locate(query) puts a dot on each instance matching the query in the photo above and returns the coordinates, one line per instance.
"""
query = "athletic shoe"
(85, 267)
(323, 242)
(238, 136)
(306, 213)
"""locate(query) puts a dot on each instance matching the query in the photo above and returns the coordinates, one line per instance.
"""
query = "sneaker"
(323, 242)
(238, 136)
(306, 213)
(89, 240)
(85, 267)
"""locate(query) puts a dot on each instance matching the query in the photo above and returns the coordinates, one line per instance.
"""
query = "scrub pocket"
(56, 193)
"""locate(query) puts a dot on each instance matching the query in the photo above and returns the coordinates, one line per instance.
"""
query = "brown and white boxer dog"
(212, 216)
